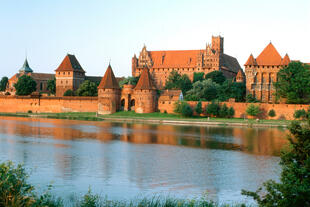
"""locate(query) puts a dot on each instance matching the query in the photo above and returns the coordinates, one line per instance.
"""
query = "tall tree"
(216, 76)
(87, 88)
(198, 77)
(231, 89)
(25, 85)
(51, 86)
(3, 83)
(293, 83)
(205, 90)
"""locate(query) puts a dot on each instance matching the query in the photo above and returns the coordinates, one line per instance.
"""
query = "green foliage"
(223, 111)
(3, 83)
(176, 81)
(293, 83)
(294, 186)
(205, 90)
(129, 81)
(90, 200)
(216, 76)
(272, 113)
(69, 93)
(25, 85)
(198, 77)
(198, 108)
(251, 99)
(230, 89)
(183, 108)
(252, 110)
(87, 88)
(51, 86)
(300, 114)
(213, 109)
(231, 112)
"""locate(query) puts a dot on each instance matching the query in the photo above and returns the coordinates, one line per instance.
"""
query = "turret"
(240, 77)
(218, 44)
(25, 68)
(145, 94)
(109, 93)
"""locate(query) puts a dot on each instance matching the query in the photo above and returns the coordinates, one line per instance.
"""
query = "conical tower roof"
(108, 81)
(70, 63)
(240, 76)
(26, 67)
(286, 60)
(269, 56)
(145, 81)
(250, 61)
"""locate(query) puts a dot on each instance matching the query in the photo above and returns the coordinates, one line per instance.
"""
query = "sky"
(101, 31)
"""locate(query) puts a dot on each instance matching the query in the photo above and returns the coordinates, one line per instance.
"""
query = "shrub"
(69, 93)
(186, 110)
(231, 112)
(223, 111)
(212, 109)
(252, 110)
(198, 108)
(29, 112)
(300, 114)
(251, 99)
(272, 113)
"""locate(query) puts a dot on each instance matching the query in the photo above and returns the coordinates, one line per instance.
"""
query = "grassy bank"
(129, 116)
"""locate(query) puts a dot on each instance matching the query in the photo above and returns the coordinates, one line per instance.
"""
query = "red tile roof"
(145, 81)
(240, 74)
(70, 63)
(174, 58)
(109, 81)
(251, 61)
(269, 56)
(286, 60)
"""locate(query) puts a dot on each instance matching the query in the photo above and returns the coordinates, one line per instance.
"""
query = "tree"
(216, 76)
(176, 81)
(87, 88)
(186, 110)
(300, 114)
(294, 186)
(25, 85)
(293, 83)
(252, 110)
(223, 111)
(231, 112)
(69, 93)
(51, 86)
(230, 89)
(198, 108)
(129, 80)
(272, 113)
(213, 109)
(3, 83)
(198, 77)
(205, 90)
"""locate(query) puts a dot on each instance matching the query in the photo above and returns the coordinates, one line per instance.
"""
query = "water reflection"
(124, 160)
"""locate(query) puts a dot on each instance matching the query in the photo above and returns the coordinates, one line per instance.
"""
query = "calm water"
(123, 160)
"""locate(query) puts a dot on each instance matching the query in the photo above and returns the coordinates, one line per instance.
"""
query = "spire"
(108, 81)
(145, 81)
(26, 67)
(286, 60)
(250, 61)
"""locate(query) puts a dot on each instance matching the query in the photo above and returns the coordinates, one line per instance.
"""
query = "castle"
(153, 69)
(161, 63)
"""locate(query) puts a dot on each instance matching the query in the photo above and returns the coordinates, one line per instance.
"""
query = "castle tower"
(240, 77)
(218, 44)
(145, 95)
(134, 64)
(109, 93)
(69, 75)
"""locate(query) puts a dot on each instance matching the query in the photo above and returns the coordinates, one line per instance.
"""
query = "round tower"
(109, 93)
(145, 95)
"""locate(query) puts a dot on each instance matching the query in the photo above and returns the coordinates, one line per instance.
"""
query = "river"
(127, 160)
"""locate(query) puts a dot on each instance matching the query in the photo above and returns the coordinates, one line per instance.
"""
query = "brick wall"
(283, 111)
(48, 104)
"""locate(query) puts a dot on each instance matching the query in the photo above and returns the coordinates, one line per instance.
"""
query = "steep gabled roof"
(250, 61)
(70, 63)
(269, 56)
(145, 81)
(26, 67)
(240, 74)
(108, 81)
(286, 60)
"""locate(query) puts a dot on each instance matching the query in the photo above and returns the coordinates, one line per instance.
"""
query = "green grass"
(130, 115)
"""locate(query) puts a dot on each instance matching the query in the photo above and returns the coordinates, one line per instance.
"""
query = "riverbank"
(156, 118)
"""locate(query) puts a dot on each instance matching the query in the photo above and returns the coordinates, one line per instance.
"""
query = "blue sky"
(99, 30)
